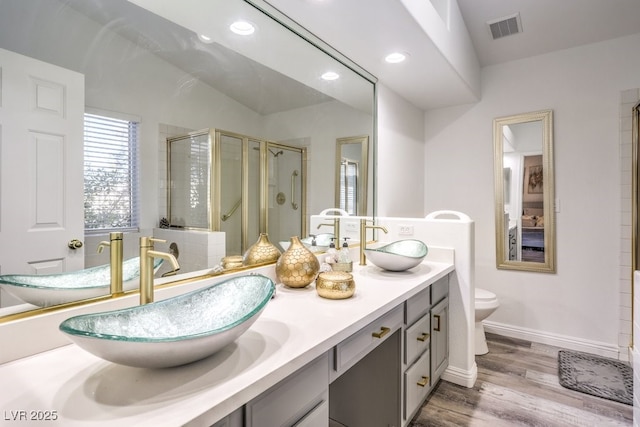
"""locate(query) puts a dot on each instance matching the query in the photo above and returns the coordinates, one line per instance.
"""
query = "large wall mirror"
(175, 68)
(524, 192)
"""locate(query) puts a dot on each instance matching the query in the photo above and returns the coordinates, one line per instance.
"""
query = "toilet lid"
(484, 295)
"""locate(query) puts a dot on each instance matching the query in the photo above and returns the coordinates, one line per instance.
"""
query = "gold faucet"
(363, 237)
(147, 254)
(115, 260)
(336, 228)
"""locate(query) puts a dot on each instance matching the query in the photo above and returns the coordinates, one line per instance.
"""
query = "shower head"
(275, 154)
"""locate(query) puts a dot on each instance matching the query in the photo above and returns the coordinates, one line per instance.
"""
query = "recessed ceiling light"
(396, 57)
(243, 28)
(330, 75)
(205, 38)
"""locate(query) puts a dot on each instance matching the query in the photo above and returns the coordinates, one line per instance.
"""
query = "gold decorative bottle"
(261, 252)
(298, 266)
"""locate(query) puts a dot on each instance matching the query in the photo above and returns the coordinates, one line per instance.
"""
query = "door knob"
(74, 244)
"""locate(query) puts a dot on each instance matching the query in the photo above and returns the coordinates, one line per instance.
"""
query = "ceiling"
(427, 79)
(548, 25)
(365, 35)
(212, 63)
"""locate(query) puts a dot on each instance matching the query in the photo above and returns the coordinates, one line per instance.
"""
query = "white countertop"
(296, 327)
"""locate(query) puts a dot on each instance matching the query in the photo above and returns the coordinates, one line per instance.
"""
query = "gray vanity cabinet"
(439, 338)
(380, 375)
(426, 345)
(301, 399)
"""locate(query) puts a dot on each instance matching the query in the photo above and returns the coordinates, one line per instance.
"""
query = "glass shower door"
(255, 193)
(285, 200)
(230, 188)
(190, 174)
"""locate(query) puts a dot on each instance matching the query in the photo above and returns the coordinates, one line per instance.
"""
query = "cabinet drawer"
(232, 420)
(439, 290)
(293, 398)
(417, 339)
(316, 418)
(417, 383)
(417, 305)
(354, 348)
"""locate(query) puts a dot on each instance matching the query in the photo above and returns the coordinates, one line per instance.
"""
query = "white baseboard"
(563, 341)
(461, 377)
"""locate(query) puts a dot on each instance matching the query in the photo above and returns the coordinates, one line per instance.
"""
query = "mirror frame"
(548, 173)
(363, 171)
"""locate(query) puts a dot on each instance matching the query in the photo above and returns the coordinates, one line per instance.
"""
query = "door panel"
(41, 171)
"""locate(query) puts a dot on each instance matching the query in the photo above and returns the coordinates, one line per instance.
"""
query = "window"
(110, 173)
(349, 186)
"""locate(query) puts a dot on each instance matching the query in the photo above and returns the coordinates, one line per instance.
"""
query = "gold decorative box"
(232, 261)
(335, 285)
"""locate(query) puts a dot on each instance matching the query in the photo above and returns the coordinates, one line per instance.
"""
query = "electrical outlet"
(351, 226)
(406, 230)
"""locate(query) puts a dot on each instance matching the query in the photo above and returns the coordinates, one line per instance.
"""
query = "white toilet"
(486, 303)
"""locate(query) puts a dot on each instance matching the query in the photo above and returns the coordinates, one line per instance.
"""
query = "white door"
(41, 169)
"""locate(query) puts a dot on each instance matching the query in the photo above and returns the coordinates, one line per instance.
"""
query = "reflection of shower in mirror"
(223, 187)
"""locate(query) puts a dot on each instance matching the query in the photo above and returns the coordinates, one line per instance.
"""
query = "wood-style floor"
(518, 386)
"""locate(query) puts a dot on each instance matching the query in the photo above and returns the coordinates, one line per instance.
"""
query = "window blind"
(349, 186)
(110, 173)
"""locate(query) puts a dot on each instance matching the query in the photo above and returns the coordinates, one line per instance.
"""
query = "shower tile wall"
(198, 249)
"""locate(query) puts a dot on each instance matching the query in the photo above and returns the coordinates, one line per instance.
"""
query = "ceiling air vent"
(506, 26)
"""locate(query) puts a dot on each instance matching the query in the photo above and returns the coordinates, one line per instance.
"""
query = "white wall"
(580, 305)
(400, 168)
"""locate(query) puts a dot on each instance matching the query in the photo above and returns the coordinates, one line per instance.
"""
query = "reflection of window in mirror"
(110, 172)
(349, 186)
(351, 173)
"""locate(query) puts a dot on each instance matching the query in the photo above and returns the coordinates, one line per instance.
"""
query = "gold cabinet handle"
(423, 337)
(423, 382)
(382, 332)
(437, 317)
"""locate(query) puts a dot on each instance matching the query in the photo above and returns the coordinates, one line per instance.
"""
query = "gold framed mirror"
(524, 192)
(352, 172)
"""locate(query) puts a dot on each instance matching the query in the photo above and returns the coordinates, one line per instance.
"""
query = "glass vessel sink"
(322, 242)
(400, 255)
(174, 331)
(52, 289)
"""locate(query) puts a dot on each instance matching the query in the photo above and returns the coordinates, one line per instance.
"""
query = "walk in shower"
(241, 185)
